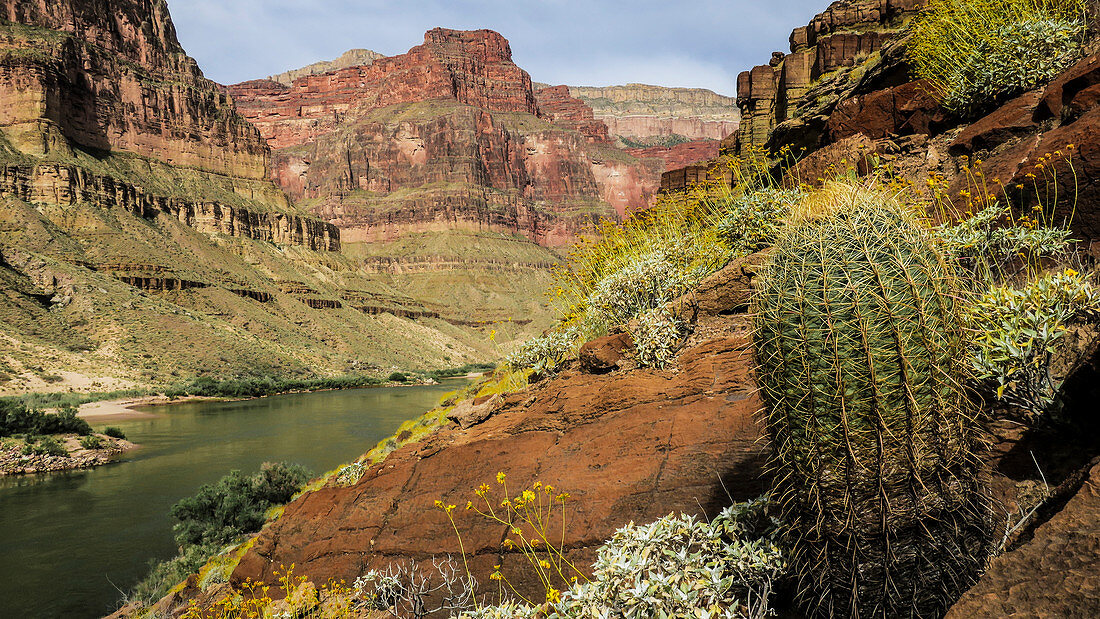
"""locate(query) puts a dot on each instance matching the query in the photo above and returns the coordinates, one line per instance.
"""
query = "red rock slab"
(1010, 121)
(628, 446)
(1074, 91)
(902, 110)
(1055, 574)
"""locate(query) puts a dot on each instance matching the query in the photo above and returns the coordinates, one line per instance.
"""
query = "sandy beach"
(126, 408)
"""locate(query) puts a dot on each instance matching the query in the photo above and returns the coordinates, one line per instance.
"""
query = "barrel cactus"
(860, 353)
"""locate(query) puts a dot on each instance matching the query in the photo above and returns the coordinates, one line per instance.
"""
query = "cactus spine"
(860, 351)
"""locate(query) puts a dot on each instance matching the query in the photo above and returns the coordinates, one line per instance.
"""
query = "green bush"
(44, 446)
(91, 442)
(398, 377)
(861, 348)
(16, 418)
(236, 504)
(114, 432)
(978, 52)
(208, 387)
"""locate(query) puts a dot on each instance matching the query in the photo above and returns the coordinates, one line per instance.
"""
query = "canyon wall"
(450, 135)
(143, 242)
(647, 115)
(112, 76)
(843, 36)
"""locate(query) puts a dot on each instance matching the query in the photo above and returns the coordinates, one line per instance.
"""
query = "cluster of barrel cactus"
(861, 359)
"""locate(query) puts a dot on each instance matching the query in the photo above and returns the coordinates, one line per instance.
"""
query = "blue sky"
(697, 43)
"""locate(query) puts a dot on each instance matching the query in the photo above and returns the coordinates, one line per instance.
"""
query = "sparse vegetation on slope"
(977, 52)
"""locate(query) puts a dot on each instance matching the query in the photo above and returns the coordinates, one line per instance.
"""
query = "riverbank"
(17, 459)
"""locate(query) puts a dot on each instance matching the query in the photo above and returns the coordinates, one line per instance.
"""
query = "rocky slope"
(447, 136)
(141, 238)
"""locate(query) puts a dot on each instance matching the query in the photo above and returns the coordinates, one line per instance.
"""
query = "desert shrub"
(861, 353)
(236, 504)
(406, 591)
(657, 338)
(677, 566)
(91, 442)
(44, 446)
(649, 281)
(17, 418)
(163, 575)
(976, 52)
(544, 354)
(991, 242)
(397, 377)
(750, 222)
(114, 432)
(1018, 334)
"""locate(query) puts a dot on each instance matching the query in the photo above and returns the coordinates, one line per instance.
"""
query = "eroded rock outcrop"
(447, 136)
(474, 68)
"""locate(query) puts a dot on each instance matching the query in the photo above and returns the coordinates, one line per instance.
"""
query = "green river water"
(68, 540)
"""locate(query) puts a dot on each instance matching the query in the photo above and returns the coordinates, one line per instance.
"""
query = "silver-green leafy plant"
(1019, 332)
(989, 243)
(649, 281)
(657, 338)
(677, 566)
(750, 222)
(544, 354)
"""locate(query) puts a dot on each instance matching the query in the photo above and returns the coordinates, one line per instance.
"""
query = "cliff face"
(641, 115)
(449, 135)
(112, 76)
(142, 240)
(854, 46)
(473, 68)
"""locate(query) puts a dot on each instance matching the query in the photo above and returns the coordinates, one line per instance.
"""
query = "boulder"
(728, 291)
(1011, 121)
(603, 354)
(472, 412)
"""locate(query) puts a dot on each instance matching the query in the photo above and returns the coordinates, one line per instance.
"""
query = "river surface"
(67, 540)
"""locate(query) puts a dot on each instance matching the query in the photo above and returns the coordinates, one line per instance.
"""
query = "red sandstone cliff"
(450, 135)
(111, 75)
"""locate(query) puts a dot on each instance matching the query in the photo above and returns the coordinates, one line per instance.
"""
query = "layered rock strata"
(449, 136)
(474, 68)
(650, 115)
(112, 76)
